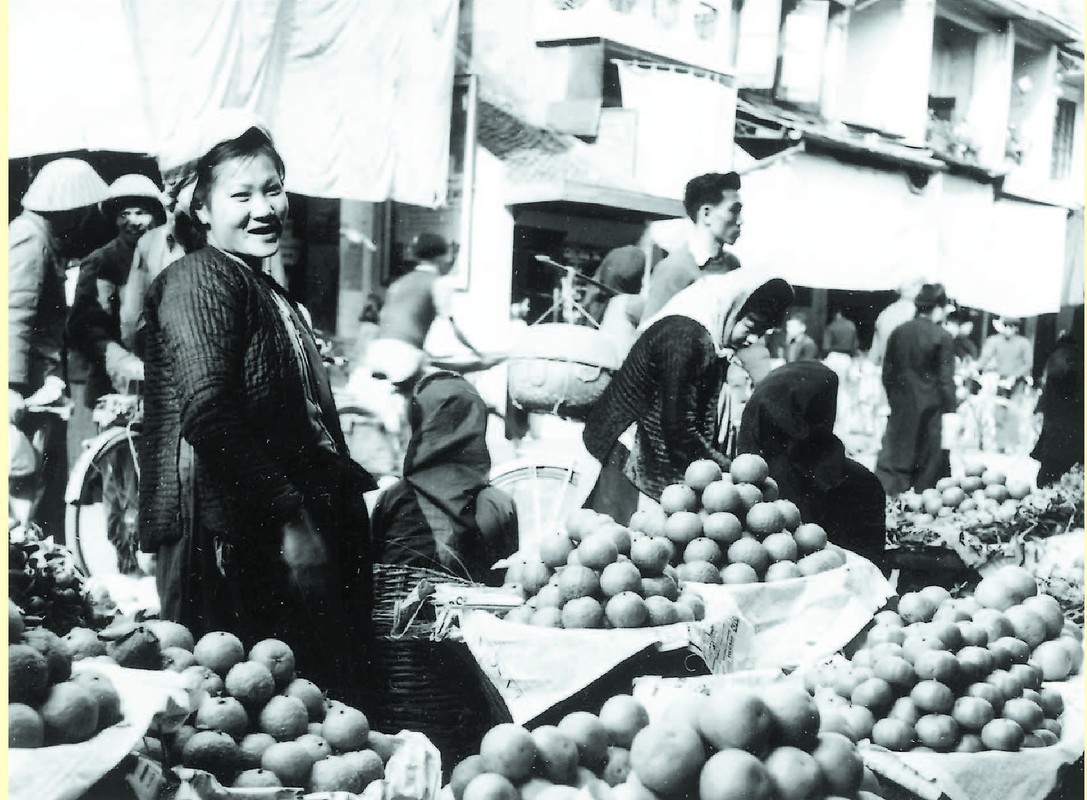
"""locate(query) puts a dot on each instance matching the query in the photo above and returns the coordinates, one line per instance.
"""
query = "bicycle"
(102, 496)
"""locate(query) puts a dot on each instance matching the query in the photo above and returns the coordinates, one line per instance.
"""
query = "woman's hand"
(304, 552)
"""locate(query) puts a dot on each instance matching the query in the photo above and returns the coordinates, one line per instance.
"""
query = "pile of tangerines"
(981, 497)
(732, 744)
(715, 527)
(956, 674)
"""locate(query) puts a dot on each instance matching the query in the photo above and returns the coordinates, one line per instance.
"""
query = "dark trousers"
(930, 463)
(45, 489)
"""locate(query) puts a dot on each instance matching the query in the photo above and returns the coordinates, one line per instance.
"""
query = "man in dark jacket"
(919, 376)
(799, 346)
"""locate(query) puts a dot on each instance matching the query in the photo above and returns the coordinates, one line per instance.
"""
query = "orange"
(198, 678)
(251, 682)
(683, 527)
(649, 555)
(894, 734)
(820, 561)
(1010, 649)
(508, 750)
(1030, 675)
(252, 747)
(839, 763)
(932, 697)
(885, 633)
(1018, 489)
(781, 546)
(770, 490)
(972, 713)
(938, 665)
(667, 757)
(973, 634)
(735, 775)
(546, 617)
(224, 714)
(763, 519)
(617, 770)
(69, 713)
(993, 476)
(952, 497)
(171, 634)
(590, 736)
(1052, 702)
(1049, 610)
(936, 594)
(596, 551)
(620, 536)
(663, 586)
(701, 474)
(692, 600)
(974, 663)
(662, 611)
(1002, 734)
(256, 779)
(794, 773)
(678, 497)
(555, 548)
(722, 527)
(790, 514)
(278, 657)
(1027, 625)
(721, 496)
(217, 753)
(102, 690)
(915, 607)
(913, 645)
(1027, 713)
(581, 523)
(1055, 659)
(619, 577)
(521, 615)
(888, 617)
(905, 710)
(749, 496)
(749, 468)
(344, 728)
(897, 673)
(317, 745)
(1007, 684)
(698, 572)
(970, 743)
(739, 573)
(735, 718)
(782, 571)
(810, 538)
(993, 621)
(622, 717)
(858, 722)
(938, 731)
(577, 581)
(556, 755)
(703, 549)
(652, 522)
(750, 552)
(627, 610)
(25, 726)
(794, 714)
(219, 651)
(875, 694)
(463, 774)
(490, 786)
(582, 612)
(993, 592)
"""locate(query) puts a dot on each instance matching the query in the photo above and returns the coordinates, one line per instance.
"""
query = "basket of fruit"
(561, 368)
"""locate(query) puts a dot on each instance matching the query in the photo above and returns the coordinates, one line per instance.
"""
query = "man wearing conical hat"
(57, 204)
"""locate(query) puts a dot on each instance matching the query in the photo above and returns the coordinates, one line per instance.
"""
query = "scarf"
(718, 301)
(447, 462)
(789, 421)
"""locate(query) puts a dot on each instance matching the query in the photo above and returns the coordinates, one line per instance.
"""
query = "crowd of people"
(252, 515)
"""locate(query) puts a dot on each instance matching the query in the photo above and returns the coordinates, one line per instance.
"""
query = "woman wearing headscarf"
(789, 421)
(671, 385)
(1060, 444)
(619, 314)
(442, 515)
(247, 493)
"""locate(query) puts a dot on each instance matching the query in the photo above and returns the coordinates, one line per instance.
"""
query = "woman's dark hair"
(191, 233)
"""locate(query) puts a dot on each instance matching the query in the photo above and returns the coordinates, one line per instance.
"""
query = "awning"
(824, 223)
(1003, 256)
(357, 94)
(593, 200)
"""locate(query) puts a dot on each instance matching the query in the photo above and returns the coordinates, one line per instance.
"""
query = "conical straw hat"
(63, 185)
(129, 186)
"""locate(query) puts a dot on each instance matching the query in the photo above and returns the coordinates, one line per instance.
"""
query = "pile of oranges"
(956, 674)
(599, 574)
(258, 724)
(733, 527)
(981, 497)
(732, 744)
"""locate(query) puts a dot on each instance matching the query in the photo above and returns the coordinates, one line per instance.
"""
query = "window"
(1064, 131)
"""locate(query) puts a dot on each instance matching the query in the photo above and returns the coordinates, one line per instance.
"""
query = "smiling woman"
(248, 496)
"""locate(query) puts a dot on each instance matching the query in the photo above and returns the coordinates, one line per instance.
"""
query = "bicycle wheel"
(102, 506)
(544, 494)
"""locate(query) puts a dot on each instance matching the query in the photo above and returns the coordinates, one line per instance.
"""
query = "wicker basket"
(561, 369)
(433, 687)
